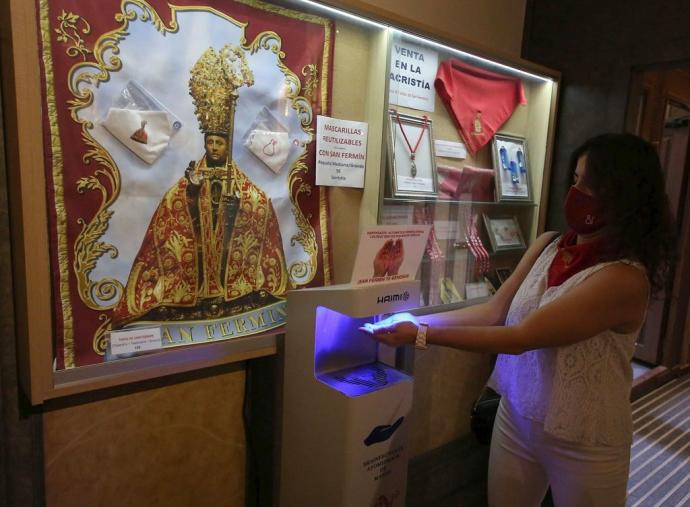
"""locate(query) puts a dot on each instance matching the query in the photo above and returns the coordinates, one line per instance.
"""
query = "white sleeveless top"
(580, 392)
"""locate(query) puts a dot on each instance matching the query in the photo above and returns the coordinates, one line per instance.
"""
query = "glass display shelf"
(477, 173)
(393, 201)
(460, 245)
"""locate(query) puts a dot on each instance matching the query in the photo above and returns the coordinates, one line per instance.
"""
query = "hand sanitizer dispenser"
(345, 405)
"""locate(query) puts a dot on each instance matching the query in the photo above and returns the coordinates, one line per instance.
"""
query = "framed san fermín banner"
(181, 167)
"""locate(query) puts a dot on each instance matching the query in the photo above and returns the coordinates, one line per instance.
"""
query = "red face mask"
(583, 212)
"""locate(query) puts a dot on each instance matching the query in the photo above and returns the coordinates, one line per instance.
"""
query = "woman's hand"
(396, 330)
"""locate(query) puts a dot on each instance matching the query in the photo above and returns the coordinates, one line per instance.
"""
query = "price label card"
(449, 149)
(135, 340)
(397, 215)
(445, 229)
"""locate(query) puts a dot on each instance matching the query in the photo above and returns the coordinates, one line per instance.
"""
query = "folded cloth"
(480, 101)
(448, 187)
(424, 215)
(477, 183)
(146, 133)
(469, 183)
(475, 245)
(272, 148)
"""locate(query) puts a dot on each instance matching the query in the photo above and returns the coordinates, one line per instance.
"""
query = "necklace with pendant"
(413, 165)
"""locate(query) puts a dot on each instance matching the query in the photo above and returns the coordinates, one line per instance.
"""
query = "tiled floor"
(659, 464)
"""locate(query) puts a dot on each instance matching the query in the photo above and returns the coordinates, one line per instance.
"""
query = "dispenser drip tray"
(363, 379)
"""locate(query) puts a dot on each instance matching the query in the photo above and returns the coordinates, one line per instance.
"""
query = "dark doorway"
(659, 111)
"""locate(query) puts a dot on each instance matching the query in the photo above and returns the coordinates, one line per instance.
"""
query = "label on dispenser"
(379, 461)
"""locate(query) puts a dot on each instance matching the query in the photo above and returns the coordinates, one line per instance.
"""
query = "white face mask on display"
(146, 133)
(272, 148)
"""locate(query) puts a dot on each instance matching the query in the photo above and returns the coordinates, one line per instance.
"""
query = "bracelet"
(420, 340)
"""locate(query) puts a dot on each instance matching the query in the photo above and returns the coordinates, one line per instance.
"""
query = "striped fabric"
(660, 458)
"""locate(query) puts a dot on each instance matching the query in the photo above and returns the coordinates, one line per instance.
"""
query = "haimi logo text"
(390, 298)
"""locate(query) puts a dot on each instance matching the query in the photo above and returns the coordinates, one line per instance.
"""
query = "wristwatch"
(420, 340)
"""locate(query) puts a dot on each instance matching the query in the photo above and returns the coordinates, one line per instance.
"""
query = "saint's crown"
(213, 85)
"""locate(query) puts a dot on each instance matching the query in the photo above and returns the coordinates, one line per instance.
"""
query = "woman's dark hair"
(624, 172)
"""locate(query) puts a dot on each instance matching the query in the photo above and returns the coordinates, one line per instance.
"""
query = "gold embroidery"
(323, 204)
(181, 293)
(323, 211)
(177, 244)
(312, 74)
(159, 289)
(132, 299)
(477, 124)
(310, 18)
(100, 338)
(302, 16)
(87, 248)
(58, 188)
(301, 272)
(213, 86)
(324, 73)
(68, 23)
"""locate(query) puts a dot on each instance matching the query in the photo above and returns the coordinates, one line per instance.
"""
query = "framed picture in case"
(411, 156)
(502, 274)
(477, 290)
(513, 181)
(504, 233)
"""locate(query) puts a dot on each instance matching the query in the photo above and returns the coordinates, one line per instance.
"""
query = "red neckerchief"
(572, 258)
(480, 101)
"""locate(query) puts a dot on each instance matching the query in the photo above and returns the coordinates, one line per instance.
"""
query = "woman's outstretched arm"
(613, 298)
(493, 312)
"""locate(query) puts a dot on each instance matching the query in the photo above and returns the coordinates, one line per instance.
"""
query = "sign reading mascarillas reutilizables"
(341, 152)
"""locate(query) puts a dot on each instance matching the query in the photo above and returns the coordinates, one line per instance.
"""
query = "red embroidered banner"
(180, 164)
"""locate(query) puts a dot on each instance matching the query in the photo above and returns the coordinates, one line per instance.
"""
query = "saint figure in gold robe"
(213, 247)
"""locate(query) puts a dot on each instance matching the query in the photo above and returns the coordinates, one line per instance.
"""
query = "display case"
(149, 264)
(469, 136)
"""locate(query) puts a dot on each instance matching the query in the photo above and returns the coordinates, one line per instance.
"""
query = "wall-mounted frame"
(79, 247)
(504, 233)
(511, 164)
(411, 156)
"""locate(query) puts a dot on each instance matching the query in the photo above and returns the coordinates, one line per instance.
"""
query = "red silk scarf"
(480, 101)
(572, 258)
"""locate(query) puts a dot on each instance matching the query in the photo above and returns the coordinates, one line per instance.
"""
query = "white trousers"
(524, 461)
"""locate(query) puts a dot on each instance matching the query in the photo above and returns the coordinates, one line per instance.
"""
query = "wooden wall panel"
(179, 444)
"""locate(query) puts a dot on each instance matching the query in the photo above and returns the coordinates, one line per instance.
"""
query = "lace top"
(580, 392)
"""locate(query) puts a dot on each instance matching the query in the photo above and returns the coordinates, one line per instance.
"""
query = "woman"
(564, 325)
